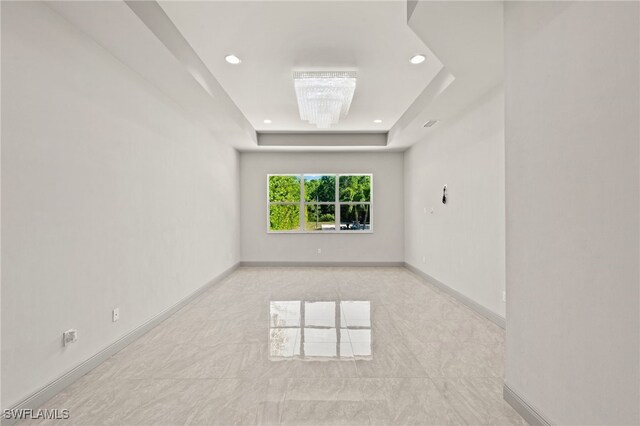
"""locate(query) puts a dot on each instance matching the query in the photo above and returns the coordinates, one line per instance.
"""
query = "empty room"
(320, 212)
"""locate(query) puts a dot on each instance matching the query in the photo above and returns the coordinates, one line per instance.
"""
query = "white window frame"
(302, 204)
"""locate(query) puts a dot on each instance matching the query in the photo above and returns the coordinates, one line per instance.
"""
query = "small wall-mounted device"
(70, 336)
(444, 194)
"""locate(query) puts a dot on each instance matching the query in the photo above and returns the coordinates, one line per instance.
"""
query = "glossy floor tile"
(313, 346)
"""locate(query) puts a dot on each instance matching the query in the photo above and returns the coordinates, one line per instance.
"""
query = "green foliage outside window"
(354, 189)
(284, 188)
(317, 215)
(284, 217)
(319, 202)
(355, 216)
(320, 188)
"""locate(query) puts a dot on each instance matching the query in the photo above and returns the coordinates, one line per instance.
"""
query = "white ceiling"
(467, 36)
(274, 38)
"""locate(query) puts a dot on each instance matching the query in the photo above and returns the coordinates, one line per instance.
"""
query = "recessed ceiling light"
(232, 59)
(267, 121)
(417, 59)
(377, 121)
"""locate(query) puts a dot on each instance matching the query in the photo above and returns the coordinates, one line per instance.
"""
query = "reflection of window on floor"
(312, 330)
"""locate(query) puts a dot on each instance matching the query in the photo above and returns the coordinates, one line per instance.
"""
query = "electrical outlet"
(70, 336)
(115, 315)
(319, 250)
(504, 296)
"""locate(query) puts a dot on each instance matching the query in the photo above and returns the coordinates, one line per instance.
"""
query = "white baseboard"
(311, 264)
(530, 414)
(488, 314)
(41, 396)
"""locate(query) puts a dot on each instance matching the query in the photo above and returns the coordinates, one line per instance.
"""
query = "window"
(319, 202)
(284, 203)
(311, 203)
(355, 202)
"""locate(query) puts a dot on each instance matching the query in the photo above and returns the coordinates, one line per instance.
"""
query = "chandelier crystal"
(324, 96)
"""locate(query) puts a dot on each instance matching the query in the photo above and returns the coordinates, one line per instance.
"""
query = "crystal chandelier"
(324, 96)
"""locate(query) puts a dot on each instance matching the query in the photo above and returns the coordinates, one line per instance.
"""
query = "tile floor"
(312, 346)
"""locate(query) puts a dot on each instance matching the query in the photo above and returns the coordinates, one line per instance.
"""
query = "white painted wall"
(385, 244)
(572, 191)
(461, 244)
(111, 197)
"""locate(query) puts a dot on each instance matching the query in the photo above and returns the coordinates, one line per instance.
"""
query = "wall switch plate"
(70, 336)
(319, 251)
(115, 314)
(504, 296)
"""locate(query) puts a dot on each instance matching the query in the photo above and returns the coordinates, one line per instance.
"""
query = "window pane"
(284, 188)
(284, 217)
(320, 217)
(320, 188)
(355, 217)
(354, 188)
